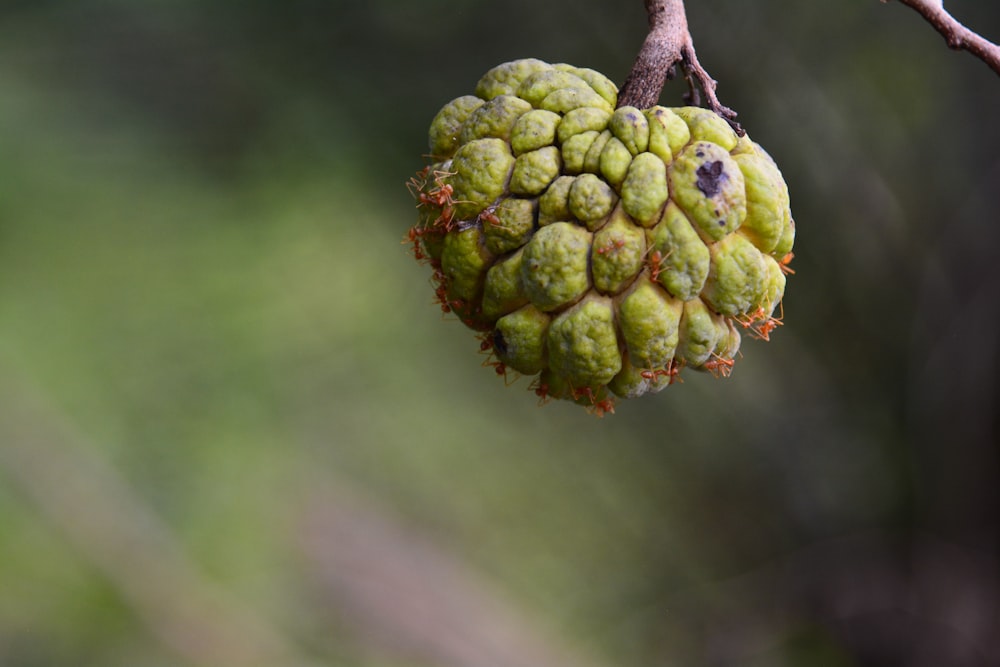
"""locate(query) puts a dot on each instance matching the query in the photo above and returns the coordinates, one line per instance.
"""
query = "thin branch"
(667, 45)
(708, 85)
(957, 35)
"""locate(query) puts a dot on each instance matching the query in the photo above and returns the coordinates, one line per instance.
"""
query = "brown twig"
(957, 35)
(667, 45)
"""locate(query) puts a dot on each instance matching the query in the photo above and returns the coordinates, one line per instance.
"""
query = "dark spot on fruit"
(710, 175)
(699, 153)
(722, 223)
(499, 344)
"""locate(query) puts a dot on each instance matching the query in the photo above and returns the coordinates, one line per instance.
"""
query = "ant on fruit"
(417, 183)
(488, 343)
(764, 330)
(759, 323)
(583, 392)
(499, 366)
(785, 261)
(440, 196)
(673, 371)
(541, 390)
(615, 244)
(485, 342)
(596, 407)
(719, 366)
(655, 261)
(489, 214)
(446, 221)
(502, 370)
(414, 237)
(747, 320)
(440, 282)
(601, 408)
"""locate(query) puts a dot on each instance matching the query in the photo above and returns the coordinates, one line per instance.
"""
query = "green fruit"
(601, 249)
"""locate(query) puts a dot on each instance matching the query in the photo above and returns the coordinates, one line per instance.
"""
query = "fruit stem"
(668, 43)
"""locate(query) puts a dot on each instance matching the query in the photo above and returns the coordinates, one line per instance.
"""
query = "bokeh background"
(236, 431)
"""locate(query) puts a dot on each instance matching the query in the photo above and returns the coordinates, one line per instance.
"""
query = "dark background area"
(234, 429)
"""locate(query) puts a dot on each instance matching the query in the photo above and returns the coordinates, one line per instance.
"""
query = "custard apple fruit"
(601, 249)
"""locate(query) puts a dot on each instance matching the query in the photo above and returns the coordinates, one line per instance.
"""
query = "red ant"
(584, 392)
(485, 342)
(417, 183)
(442, 193)
(445, 221)
(413, 236)
(437, 196)
(488, 346)
(596, 407)
(673, 370)
(498, 366)
(764, 330)
(785, 261)
(615, 244)
(440, 196)
(719, 366)
(656, 259)
(440, 175)
(759, 323)
(441, 297)
(440, 282)
(489, 215)
(501, 370)
(747, 320)
(602, 408)
(541, 390)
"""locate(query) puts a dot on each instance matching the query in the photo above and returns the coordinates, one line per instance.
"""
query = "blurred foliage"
(201, 279)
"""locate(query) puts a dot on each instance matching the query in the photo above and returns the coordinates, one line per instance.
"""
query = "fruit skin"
(602, 249)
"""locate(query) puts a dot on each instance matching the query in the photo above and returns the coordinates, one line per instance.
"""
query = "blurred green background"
(234, 429)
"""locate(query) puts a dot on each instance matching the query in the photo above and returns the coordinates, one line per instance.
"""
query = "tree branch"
(668, 44)
(957, 35)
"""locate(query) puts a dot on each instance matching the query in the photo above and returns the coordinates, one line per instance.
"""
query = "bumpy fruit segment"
(602, 250)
